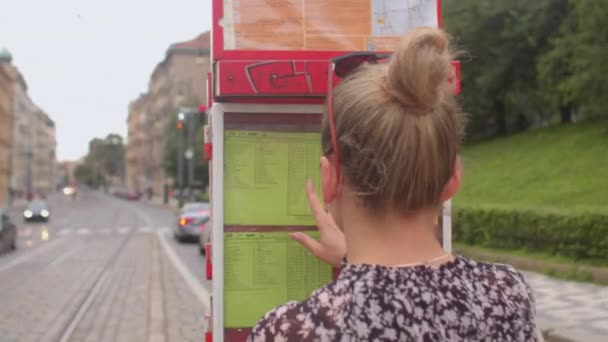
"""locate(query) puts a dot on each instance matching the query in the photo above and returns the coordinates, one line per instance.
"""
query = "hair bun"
(419, 70)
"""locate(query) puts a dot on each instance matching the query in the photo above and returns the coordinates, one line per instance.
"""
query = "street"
(102, 269)
(105, 269)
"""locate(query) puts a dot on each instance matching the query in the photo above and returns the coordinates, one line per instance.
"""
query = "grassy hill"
(562, 168)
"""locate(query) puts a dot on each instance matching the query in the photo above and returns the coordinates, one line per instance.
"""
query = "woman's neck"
(390, 239)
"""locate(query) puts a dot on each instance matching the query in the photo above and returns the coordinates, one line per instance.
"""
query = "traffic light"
(180, 120)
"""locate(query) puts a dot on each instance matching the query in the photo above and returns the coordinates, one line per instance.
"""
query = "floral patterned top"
(462, 300)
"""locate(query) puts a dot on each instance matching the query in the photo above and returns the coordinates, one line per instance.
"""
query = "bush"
(578, 236)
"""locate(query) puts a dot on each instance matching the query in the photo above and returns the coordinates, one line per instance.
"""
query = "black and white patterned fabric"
(462, 300)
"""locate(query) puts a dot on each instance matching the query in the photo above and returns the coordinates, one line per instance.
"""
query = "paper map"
(322, 24)
(394, 17)
(264, 270)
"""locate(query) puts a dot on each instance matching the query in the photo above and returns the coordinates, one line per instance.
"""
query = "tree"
(574, 68)
(503, 40)
(104, 160)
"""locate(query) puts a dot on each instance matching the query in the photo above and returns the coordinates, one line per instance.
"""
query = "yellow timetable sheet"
(263, 270)
(265, 176)
(332, 25)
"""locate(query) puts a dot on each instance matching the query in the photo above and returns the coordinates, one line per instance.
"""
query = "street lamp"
(180, 160)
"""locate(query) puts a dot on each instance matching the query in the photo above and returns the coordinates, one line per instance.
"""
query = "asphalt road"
(102, 269)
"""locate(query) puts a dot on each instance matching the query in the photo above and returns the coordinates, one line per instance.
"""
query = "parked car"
(191, 224)
(8, 233)
(195, 206)
(37, 211)
(126, 194)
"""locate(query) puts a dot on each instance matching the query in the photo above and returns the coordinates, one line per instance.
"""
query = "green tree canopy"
(104, 159)
(527, 59)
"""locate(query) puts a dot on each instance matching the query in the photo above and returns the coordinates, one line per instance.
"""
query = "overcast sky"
(84, 60)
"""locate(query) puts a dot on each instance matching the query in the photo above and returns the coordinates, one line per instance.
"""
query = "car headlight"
(27, 213)
(44, 213)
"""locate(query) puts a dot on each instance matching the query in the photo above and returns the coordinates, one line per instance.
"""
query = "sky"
(85, 60)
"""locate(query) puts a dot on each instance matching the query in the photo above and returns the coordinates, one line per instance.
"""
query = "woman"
(390, 160)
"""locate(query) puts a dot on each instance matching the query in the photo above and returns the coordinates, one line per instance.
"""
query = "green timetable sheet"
(263, 270)
(265, 176)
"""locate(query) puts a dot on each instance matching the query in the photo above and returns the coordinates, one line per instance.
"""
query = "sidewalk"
(158, 201)
(570, 310)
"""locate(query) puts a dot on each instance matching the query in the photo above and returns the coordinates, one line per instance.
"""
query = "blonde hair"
(398, 125)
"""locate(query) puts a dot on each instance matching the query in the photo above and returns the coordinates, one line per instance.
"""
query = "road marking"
(64, 231)
(82, 231)
(144, 230)
(65, 256)
(124, 230)
(195, 286)
(26, 257)
(26, 232)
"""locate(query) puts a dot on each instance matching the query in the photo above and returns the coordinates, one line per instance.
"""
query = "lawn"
(563, 168)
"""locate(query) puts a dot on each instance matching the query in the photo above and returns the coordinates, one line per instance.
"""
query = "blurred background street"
(102, 269)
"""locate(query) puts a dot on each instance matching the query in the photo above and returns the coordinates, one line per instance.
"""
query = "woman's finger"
(317, 208)
(309, 243)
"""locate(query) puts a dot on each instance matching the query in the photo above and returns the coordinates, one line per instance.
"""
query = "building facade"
(137, 158)
(44, 144)
(6, 124)
(179, 80)
(25, 113)
(32, 159)
(31, 142)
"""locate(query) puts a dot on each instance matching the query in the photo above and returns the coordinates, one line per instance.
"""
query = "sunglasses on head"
(341, 67)
(344, 65)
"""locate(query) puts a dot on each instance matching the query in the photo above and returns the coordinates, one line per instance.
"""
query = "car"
(8, 233)
(194, 206)
(126, 194)
(36, 211)
(191, 224)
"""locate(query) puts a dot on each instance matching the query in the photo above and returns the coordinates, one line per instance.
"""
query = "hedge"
(578, 236)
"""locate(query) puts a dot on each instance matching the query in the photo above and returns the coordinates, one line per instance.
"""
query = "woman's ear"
(453, 184)
(329, 182)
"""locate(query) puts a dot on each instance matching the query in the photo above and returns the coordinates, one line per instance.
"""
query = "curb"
(161, 205)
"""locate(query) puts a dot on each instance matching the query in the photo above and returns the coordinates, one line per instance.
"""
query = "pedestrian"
(390, 139)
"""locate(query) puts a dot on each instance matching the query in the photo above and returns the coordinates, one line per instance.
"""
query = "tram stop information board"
(267, 160)
(267, 86)
(265, 174)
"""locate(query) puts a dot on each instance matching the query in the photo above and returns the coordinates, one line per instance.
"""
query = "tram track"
(86, 303)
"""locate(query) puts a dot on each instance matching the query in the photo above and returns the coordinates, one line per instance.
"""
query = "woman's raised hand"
(331, 246)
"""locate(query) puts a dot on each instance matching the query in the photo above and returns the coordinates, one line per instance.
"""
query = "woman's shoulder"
(298, 321)
(498, 274)
(505, 284)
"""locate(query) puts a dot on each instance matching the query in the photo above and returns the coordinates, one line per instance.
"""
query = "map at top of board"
(323, 25)
(394, 17)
